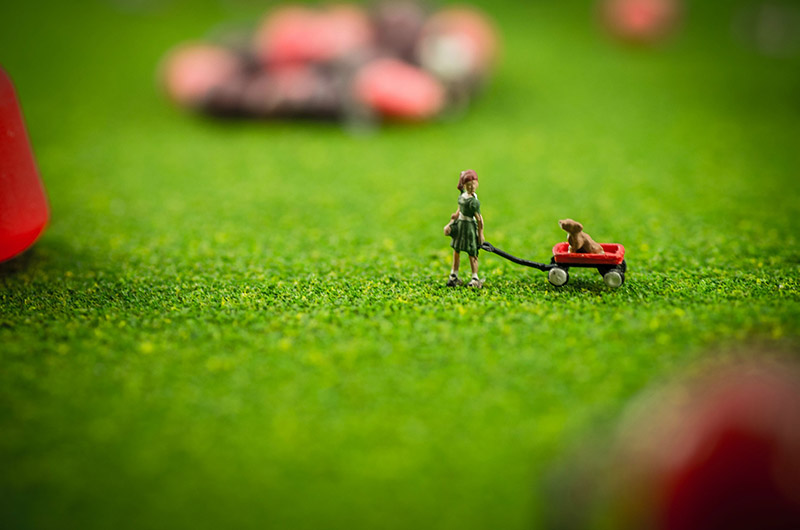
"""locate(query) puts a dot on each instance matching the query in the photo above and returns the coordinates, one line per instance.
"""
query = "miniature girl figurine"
(466, 229)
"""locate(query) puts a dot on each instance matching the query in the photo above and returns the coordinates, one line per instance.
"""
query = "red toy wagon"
(610, 265)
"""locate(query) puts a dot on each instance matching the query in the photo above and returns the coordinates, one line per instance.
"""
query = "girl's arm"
(479, 220)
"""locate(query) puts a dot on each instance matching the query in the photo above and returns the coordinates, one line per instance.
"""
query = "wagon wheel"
(614, 277)
(613, 281)
(558, 276)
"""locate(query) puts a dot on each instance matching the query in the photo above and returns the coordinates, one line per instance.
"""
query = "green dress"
(465, 231)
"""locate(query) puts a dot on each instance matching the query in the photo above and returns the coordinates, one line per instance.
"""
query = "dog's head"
(570, 225)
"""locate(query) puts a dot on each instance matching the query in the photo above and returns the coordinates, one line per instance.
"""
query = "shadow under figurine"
(466, 229)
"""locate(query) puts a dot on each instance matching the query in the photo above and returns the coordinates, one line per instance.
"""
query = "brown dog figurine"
(579, 241)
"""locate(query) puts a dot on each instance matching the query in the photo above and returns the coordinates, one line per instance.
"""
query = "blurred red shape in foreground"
(722, 452)
(23, 204)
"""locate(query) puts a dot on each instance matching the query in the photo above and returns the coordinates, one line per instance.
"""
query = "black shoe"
(454, 281)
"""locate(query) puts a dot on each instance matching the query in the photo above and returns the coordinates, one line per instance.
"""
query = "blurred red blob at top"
(641, 21)
(23, 204)
(456, 42)
(191, 71)
(398, 90)
(299, 34)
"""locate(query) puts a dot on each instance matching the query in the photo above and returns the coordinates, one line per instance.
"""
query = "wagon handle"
(488, 247)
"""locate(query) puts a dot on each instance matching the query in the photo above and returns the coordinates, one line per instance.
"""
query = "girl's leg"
(475, 281)
(453, 280)
(473, 264)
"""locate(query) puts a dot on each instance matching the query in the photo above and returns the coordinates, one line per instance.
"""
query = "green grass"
(246, 325)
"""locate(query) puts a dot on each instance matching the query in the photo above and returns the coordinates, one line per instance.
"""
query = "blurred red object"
(722, 452)
(295, 34)
(191, 72)
(396, 89)
(641, 21)
(23, 204)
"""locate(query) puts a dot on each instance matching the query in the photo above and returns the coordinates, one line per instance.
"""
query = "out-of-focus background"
(244, 323)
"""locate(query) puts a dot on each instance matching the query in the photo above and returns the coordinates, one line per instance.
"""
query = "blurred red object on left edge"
(23, 204)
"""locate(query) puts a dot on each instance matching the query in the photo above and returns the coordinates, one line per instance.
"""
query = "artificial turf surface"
(246, 324)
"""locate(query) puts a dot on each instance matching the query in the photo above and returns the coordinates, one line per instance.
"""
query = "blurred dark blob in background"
(771, 28)
(400, 60)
